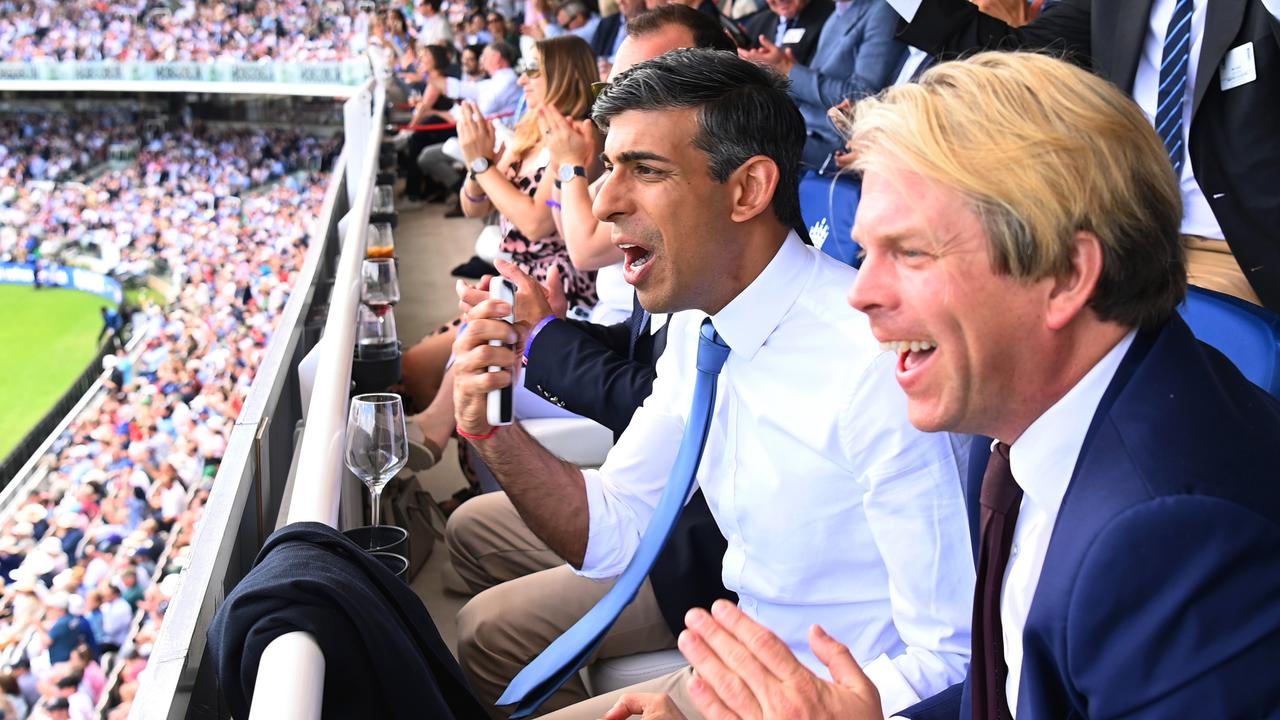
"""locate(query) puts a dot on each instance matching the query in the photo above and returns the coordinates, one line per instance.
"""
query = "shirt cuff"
(533, 334)
(896, 694)
(906, 8)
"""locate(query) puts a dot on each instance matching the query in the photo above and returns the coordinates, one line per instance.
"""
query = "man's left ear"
(753, 186)
(1071, 291)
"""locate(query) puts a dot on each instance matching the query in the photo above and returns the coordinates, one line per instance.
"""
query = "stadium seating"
(1247, 334)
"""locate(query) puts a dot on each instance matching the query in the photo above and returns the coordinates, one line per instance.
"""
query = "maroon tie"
(1000, 499)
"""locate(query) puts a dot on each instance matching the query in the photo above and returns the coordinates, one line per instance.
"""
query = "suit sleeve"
(878, 56)
(1176, 612)
(586, 366)
(951, 28)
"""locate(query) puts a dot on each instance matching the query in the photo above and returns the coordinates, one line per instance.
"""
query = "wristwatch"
(479, 165)
(569, 172)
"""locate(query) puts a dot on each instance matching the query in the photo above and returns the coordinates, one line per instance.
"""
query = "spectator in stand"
(793, 26)
(611, 31)
(433, 28)
(65, 631)
(496, 95)
(117, 616)
(856, 55)
(13, 694)
(130, 590)
(574, 17)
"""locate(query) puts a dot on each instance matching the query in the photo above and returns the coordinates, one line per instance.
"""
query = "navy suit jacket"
(606, 35)
(604, 373)
(1160, 592)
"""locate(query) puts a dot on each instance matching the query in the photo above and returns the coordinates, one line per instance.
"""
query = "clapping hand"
(475, 133)
(744, 671)
(570, 142)
(780, 59)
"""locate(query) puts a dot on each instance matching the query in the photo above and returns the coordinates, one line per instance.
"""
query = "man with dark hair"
(612, 29)
(603, 373)
(828, 499)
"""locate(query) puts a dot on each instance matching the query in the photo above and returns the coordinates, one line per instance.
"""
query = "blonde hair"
(1042, 150)
(569, 67)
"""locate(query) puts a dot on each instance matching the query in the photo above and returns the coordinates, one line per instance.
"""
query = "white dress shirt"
(494, 95)
(1042, 461)
(836, 510)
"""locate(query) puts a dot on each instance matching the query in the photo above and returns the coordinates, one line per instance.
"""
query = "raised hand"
(475, 133)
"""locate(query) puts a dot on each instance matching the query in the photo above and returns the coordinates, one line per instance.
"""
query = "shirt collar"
(1044, 457)
(750, 317)
(842, 6)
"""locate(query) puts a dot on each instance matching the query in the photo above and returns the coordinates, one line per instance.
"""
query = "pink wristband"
(464, 434)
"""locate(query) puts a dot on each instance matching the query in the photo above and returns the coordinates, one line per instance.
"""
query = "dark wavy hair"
(743, 111)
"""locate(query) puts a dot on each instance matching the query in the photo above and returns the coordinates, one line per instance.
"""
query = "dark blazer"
(604, 373)
(1160, 593)
(606, 35)
(1234, 146)
(810, 18)
(383, 656)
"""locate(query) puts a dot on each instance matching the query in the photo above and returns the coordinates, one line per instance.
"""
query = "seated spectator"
(496, 95)
(497, 25)
(64, 630)
(611, 31)
(516, 185)
(702, 153)
(574, 17)
(1126, 547)
(857, 57)
(432, 26)
(791, 26)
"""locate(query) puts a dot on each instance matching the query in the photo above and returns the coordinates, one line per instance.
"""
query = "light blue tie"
(1172, 94)
(562, 658)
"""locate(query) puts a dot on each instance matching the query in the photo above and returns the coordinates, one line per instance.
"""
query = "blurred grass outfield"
(47, 337)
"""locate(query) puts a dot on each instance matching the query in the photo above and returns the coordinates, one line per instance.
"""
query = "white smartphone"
(499, 411)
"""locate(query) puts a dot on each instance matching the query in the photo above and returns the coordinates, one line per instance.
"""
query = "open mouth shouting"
(913, 357)
(637, 263)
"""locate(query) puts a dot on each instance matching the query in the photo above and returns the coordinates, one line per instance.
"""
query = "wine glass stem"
(375, 503)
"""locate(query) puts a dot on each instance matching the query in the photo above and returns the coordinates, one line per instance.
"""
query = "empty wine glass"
(381, 284)
(380, 242)
(375, 334)
(377, 446)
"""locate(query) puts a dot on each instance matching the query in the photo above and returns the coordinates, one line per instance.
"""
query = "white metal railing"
(290, 682)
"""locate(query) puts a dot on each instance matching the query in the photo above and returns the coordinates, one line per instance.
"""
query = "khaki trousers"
(676, 685)
(527, 597)
(1211, 265)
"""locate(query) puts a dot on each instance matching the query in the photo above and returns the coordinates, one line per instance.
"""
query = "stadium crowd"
(98, 549)
(142, 30)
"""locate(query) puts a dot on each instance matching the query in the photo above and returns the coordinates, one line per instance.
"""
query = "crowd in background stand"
(228, 212)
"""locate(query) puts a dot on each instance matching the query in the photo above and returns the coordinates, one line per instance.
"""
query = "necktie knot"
(1000, 491)
(712, 350)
